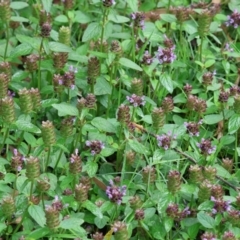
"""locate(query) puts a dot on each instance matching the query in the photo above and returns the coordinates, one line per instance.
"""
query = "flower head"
(233, 19)
(165, 140)
(135, 100)
(95, 146)
(166, 55)
(206, 147)
(115, 193)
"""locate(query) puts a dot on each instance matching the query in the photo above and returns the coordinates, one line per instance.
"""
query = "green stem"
(7, 40)
(31, 189)
(236, 153)
(105, 13)
(48, 158)
(110, 95)
(58, 160)
(4, 139)
(39, 70)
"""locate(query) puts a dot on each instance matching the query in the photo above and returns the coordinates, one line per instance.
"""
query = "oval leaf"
(59, 47)
(27, 126)
(37, 214)
(206, 220)
(65, 109)
(129, 64)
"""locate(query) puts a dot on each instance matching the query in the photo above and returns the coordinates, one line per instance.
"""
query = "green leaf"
(168, 17)
(18, 5)
(2, 226)
(209, 63)
(38, 233)
(91, 168)
(168, 224)
(103, 124)
(59, 47)
(102, 87)
(82, 17)
(27, 126)
(227, 139)
(49, 102)
(92, 208)
(20, 50)
(129, 64)
(93, 30)
(222, 172)
(19, 19)
(61, 19)
(133, 4)
(206, 220)
(47, 4)
(212, 118)
(29, 138)
(101, 222)
(71, 223)
(233, 123)
(37, 213)
(167, 82)
(137, 146)
(118, 18)
(65, 109)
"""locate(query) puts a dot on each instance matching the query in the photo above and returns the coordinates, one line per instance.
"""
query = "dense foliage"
(119, 119)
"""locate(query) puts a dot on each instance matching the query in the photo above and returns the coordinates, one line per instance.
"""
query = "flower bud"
(64, 35)
(139, 214)
(217, 191)
(167, 104)
(204, 192)
(149, 174)
(158, 118)
(123, 114)
(43, 185)
(227, 164)
(5, 67)
(137, 87)
(59, 60)
(174, 181)
(36, 99)
(116, 48)
(5, 10)
(8, 112)
(97, 236)
(3, 85)
(46, 29)
(52, 217)
(93, 69)
(209, 173)
(44, 17)
(135, 202)
(48, 133)
(8, 206)
(196, 175)
(25, 101)
(90, 100)
(32, 168)
(31, 62)
(67, 127)
(81, 193)
(75, 165)
(120, 230)
(68, 4)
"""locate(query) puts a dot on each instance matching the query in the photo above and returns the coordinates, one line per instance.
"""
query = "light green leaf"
(212, 118)
(20, 50)
(129, 64)
(49, 102)
(71, 223)
(206, 220)
(19, 19)
(167, 82)
(233, 123)
(103, 124)
(18, 5)
(101, 222)
(38, 233)
(59, 47)
(93, 30)
(82, 17)
(92, 208)
(168, 17)
(91, 168)
(118, 18)
(61, 18)
(137, 146)
(133, 4)
(65, 109)
(27, 126)
(37, 213)
(47, 4)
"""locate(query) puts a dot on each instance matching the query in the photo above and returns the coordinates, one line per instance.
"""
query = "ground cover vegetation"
(119, 119)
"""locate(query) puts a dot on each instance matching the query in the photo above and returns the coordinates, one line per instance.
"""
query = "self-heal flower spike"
(108, 3)
(32, 168)
(7, 110)
(46, 29)
(94, 69)
(135, 202)
(137, 86)
(206, 147)
(195, 174)
(60, 59)
(48, 133)
(204, 192)
(36, 99)
(123, 114)
(174, 181)
(8, 206)
(223, 96)
(67, 127)
(135, 100)
(193, 128)
(228, 236)
(5, 10)
(227, 164)
(3, 85)
(115, 193)
(64, 35)
(43, 184)
(158, 118)
(31, 62)
(68, 4)
(147, 58)
(217, 191)
(52, 217)
(166, 55)
(220, 205)
(25, 101)
(149, 174)
(81, 192)
(95, 146)
(165, 140)
(168, 104)
(90, 100)
(17, 160)
(208, 236)
(120, 230)
(233, 19)
(138, 19)
(75, 164)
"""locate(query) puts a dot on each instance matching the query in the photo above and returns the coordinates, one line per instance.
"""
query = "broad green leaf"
(61, 18)
(137, 146)
(18, 5)
(19, 75)
(209, 63)
(212, 118)
(133, 4)
(27, 126)
(59, 47)
(91, 168)
(167, 82)
(47, 4)
(168, 17)
(34, 42)
(21, 50)
(168, 224)
(65, 109)
(19, 19)
(129, 64)
(118, 18)
(206, 220)
(37, 213)
(222, 172)
(29, 138)
(39, 233)
(92, 208)
(82, 17)
(101, 222)
(49, 102)
(2, 226)
(233, 123)
(227, 139)
(103, 124)
(71, 223)
(93, 30)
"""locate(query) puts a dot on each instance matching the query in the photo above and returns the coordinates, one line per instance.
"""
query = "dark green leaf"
(103, 124)
(37, 213)
(39, 233)
(102, 87)
(92, 208)
(61, 18)
(137, 146)
(82, 17)
(49, 102)
(133, 4)
(118, 18)
(21, 50)
(101, 222)
(167, 82)
(234, 123)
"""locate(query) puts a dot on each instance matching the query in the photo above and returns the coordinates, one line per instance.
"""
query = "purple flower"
(73, 69)
(206, 147)
(95, 146)
(220, 205)
(136, 100)
(193, 128)
(165, 140)
(233, 19)
(138, 19)
(166, 55)
(115, 193)
(228, 48)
